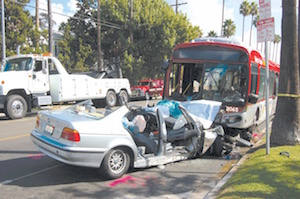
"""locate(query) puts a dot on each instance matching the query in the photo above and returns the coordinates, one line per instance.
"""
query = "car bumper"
(137, 93)
(70, 155)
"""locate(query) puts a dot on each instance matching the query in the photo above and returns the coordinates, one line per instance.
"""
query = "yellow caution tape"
(288, 95)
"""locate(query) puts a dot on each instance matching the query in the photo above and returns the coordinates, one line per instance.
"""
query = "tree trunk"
(251, 30)
(286, 124)
(299, 37)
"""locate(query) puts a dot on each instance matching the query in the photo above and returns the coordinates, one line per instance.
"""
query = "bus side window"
(261, 83)
(254, 78)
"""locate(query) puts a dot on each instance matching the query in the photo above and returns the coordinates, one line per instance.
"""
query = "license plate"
(49, 129)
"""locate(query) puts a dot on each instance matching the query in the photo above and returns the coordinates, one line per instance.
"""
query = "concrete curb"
(214, 192)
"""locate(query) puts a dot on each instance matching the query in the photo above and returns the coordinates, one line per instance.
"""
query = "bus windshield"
(18, 64)
(226, 83)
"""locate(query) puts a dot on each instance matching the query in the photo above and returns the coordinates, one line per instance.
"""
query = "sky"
(207, 14)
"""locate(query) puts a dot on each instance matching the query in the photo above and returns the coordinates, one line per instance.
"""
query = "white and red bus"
(223, 70)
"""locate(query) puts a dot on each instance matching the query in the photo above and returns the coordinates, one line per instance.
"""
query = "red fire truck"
(147, 89)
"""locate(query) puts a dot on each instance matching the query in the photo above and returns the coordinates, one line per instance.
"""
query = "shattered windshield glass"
(86, 109)
(18, 64)
(223, 82)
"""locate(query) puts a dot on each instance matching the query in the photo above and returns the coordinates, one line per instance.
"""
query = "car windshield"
(226, 83)
(86, 109)
(18, 64)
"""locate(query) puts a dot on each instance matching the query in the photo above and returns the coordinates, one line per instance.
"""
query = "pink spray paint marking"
(36, 157)
(134, 182)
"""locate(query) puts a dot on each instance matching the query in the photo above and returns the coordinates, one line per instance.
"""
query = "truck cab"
(24, 80)
(148, 88)
(29, 81)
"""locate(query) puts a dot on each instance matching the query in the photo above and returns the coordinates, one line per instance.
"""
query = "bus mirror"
(165, 65)
(252, 98)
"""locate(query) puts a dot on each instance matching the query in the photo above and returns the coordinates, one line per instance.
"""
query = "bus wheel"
(16, 107)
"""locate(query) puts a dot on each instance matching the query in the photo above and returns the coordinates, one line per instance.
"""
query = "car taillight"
(37, 122)
(70, 134)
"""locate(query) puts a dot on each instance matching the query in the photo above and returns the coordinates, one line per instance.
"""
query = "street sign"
(265, 30)
(264, 9)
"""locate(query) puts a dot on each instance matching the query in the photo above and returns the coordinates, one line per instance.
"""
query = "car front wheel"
(115, 164)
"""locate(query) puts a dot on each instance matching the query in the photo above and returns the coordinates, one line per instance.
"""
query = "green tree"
(19, 29)
(155, 27)
(276, 43)
(253, 12)
(286, 124)
(245, 11)
(228, 28)
(212, 33)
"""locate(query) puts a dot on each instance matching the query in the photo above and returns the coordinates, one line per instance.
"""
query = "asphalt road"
(27, 173)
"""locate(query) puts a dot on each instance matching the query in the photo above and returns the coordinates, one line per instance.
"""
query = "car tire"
(123, 94)
(111, 98)
(115, 164)
(217, 147)
(16, 107)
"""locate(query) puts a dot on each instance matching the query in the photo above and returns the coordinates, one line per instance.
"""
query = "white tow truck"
(29, 81)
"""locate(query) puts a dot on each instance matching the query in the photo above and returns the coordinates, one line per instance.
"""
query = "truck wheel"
(115, 164)
(123, 96)
(111, 98)
(16, 107)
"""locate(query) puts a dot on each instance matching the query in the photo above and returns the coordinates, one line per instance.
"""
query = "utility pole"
(222, 18)
(50, 27)
(99, 36)
(177, 5)
(3, 33)
(130, 24)
(37, 16)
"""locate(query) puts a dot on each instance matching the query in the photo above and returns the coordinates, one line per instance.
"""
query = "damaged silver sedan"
(128, 137)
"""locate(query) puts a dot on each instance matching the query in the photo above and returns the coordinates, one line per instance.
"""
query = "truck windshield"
(18, 64)
(143, 83)
(226, 83)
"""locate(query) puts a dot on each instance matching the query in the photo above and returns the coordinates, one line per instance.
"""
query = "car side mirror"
(252, 98)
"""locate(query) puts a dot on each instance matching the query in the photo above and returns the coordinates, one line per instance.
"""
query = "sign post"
(265, 33)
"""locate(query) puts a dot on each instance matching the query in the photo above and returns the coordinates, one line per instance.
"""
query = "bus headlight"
(231, 119)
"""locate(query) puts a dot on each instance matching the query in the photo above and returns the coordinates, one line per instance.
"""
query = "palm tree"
(228, 28)
(276, 43)
(212, 33)
(253, 12)
(286, 125)
(255, 20)
(244, 10)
